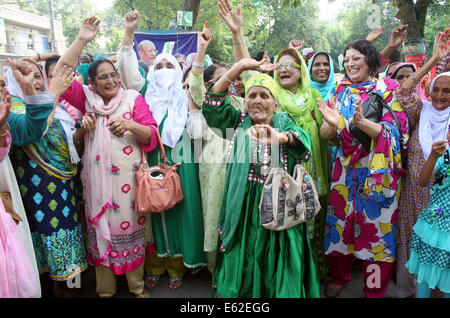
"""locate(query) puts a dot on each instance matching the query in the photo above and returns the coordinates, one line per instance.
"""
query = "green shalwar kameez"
(179, 231)
(254, 261)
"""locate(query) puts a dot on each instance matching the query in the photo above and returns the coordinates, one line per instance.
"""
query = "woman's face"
(403, 73)
(38, 80)
(164, 64)
(440, 95)
(238, 85)
(320, 69)
(356, 66)
(260, 105)
(107, 81)
(390, 70)
(50, 72)
(288, 78)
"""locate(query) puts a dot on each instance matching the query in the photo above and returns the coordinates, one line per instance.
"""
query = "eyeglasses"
(288, 65)
(105, 77)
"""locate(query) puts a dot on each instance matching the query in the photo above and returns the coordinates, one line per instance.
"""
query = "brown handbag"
(5, 197)
(158, 188)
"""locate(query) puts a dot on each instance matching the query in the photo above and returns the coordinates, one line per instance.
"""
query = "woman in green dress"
(254, 261)
(178, 232)
(299, 99)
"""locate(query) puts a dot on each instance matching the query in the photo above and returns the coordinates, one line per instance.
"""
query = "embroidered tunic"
(254, 261)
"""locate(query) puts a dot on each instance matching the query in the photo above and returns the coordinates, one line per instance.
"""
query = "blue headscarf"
(327, 88)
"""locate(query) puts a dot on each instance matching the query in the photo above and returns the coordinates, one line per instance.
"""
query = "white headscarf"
(432, 124)
(165, 95)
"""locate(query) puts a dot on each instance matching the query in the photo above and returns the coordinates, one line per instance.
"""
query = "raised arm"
(437, 150)
(233, 19)
(127, 62)
(233, 73)
(396, 39)
(88, 31)
(439, 53)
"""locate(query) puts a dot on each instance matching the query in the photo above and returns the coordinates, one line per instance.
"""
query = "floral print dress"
(363, 206)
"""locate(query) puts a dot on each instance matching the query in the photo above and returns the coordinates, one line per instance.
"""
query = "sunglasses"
(288, 65)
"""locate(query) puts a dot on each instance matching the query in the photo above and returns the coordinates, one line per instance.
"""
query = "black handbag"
(373, 111)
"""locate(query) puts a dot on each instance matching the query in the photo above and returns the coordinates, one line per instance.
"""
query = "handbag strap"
(399, 128)
(161, 149)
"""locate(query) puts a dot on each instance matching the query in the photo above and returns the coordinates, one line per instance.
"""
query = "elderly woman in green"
(254, 261)
(299, 99)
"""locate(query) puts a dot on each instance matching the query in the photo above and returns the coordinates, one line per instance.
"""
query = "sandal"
(144, 294)
(175, 282)
(333, 290)
(152, 281)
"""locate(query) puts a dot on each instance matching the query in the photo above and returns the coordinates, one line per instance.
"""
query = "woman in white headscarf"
(44, 159)
(178, 232)
(427, 124)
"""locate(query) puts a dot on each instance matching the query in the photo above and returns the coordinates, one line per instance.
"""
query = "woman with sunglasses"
(117, 126)
(299, 99)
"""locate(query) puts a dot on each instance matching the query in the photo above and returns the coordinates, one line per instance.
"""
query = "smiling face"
(356, 66)
(440, 94)
(106, 82)
(288, 78)
(38, 80)
(320, 69)
(260, 105)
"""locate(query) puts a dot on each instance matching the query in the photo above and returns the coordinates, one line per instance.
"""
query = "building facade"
(23, 34)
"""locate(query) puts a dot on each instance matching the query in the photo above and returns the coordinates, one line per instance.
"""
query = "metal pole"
(52, 26)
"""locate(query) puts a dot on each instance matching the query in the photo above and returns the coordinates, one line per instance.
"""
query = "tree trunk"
(191, 5)
(414, 15)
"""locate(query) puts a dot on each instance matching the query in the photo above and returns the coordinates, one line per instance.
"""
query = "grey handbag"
(288, 201)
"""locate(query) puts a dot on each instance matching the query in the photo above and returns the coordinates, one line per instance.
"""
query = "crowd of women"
(70, 148)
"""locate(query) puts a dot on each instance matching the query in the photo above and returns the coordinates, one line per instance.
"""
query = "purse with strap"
(287, 201)
(373, 111)
(158, 188)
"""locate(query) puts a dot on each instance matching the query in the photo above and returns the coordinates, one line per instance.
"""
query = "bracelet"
(39, 57)
(227, 79)
(239, 42)
(289, 138)
(199, 65)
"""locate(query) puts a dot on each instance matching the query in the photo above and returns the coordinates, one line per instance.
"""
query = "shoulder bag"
(158, 188)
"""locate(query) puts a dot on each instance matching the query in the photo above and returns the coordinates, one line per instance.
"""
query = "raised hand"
(296, 44)
(232, 18)
(205, 37)
(375, 34)
(24, 75)
(5, 105)
(329, 114)
(131, 20)
(441, 49)
(61, 80)
(398, 35)
(89, 29)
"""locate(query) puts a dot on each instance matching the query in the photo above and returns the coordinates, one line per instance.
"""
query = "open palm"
(89, 29)
(232, 18)
(329, 114)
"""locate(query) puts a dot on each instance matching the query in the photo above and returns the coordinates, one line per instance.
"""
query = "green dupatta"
(302, 106)
(238, 165)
